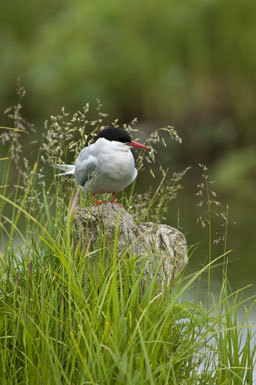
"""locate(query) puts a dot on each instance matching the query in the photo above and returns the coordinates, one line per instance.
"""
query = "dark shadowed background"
(190, 63)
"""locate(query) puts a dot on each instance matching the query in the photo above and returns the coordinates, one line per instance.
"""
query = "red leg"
(97, 202)
(114, 200)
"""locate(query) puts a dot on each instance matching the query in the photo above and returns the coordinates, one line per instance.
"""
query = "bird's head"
(119, 134)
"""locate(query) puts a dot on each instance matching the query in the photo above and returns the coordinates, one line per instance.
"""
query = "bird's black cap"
(115, 133)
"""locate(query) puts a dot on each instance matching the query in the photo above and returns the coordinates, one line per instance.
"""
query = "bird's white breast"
(116, 168)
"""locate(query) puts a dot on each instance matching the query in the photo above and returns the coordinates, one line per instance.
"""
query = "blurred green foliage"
(190, 63)
(189, 58)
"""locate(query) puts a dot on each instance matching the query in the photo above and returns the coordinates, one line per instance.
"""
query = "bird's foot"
(115, 202)
(102, 202)
(97, 202)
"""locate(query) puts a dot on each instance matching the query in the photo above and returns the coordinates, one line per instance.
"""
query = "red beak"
(136, 144)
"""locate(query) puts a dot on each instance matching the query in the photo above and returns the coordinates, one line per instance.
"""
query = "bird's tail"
(68, 168)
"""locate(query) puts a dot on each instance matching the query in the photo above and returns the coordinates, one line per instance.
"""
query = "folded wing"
(86, 167)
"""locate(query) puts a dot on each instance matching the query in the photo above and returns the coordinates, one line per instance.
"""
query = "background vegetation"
(190, 64)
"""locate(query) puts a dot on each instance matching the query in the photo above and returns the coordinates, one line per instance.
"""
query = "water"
(240, 238)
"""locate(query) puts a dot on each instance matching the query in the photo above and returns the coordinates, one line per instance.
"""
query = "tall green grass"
(73, 312)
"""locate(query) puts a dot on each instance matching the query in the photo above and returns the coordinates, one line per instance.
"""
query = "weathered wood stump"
(163, 246)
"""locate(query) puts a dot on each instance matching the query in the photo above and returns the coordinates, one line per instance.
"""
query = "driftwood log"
(163, 246)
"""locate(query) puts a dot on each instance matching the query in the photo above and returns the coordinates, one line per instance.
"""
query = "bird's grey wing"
(85, 168)
(84, 154)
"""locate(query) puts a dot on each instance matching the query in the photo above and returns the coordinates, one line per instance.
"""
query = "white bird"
(107, 165)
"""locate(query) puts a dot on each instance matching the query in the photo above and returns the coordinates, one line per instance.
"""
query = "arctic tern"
(107, 165)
